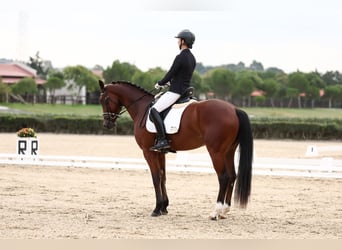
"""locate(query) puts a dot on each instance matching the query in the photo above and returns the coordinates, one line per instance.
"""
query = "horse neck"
(134, 100)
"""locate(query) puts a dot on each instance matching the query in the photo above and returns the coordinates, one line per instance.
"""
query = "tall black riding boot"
(162, 143)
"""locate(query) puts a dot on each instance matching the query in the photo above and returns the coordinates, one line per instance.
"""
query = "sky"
(292, 35)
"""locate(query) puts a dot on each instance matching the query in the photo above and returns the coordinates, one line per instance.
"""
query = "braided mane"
(131, 84)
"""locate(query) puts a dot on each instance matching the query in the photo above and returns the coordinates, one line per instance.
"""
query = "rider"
(178, 78)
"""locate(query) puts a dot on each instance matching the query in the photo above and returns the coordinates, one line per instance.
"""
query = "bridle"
(112, 116)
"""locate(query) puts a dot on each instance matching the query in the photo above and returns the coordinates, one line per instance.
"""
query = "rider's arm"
(172, 71)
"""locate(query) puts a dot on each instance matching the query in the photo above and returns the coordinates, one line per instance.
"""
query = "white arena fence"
(189, 162)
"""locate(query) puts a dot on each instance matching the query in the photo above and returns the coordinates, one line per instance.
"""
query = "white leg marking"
(225, 210)
(215, 215)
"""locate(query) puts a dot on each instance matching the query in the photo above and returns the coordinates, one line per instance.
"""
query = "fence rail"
(319, 168)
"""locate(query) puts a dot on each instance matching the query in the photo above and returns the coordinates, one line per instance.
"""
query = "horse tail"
(244, 176)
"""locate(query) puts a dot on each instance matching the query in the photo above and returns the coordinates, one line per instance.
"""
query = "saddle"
(187, 95)
(172, 115)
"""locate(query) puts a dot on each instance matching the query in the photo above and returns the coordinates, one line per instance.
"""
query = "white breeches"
(166, 100)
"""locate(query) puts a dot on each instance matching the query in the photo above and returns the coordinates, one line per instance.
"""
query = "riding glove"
(157, 86)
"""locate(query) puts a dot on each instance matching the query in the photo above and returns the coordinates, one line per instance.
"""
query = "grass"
(96, 110)
(63, 110)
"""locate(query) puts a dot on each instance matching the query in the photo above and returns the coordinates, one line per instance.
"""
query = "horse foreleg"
(165, 199)
(158, 193)
(156, 162)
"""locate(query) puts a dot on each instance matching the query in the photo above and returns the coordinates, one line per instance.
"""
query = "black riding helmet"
(187, 36)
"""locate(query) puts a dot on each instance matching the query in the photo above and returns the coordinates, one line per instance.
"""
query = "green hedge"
(300, 129)
(59, 124)
(318, 129)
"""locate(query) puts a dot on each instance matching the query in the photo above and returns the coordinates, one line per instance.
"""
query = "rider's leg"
(163, 103)
(161, 143)
(166, 100)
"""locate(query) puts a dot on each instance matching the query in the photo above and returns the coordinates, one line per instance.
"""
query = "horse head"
(111, 106)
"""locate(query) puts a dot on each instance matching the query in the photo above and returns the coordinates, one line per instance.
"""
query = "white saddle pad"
(172, 119)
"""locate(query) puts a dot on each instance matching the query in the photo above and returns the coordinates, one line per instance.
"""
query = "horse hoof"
(164, 212)
(213, 217)
(222, 217)
(217, 217)
(156, 214)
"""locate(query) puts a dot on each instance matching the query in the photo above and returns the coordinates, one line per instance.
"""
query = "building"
(13, 72)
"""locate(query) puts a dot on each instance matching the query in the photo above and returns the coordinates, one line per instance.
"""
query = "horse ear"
(101, 84)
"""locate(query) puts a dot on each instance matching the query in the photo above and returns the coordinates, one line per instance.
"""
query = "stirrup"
(160, 146)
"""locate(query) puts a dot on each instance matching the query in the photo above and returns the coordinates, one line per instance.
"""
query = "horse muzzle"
(109, 120)
(108, 124)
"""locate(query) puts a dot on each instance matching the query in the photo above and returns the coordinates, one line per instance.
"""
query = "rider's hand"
(157, 86)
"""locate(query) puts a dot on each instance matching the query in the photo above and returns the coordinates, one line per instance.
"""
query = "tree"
(245, 85)
(332, 78)
(54, 82)
(313, 93)
(260, 100)
(297, 80)
(315, 84)
(196, 82)
(38, 64)
(274, 70)
(271, 88)
(315, 80)
(333, 92)
(4, 91)
(119, 71)
(143, 79)
(156, 74)
(25, 87)
(81, 77)
(291, 93)
(221, 81)
(256, 66)
(281, 94)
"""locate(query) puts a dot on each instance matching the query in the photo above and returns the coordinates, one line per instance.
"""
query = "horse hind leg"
(230, 170)
(218, 160)
(225, 169)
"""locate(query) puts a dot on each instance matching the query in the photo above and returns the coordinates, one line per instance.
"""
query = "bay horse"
(217, 124)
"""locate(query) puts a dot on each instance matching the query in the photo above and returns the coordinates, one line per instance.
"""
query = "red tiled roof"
(98, 73)
(321, 93)
(13, 80)
(10, 80)
(40, 81)
(11, 73)
(257, 93)
(14, 70)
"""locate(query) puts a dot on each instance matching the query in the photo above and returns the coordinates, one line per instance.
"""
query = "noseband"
(111, 116)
